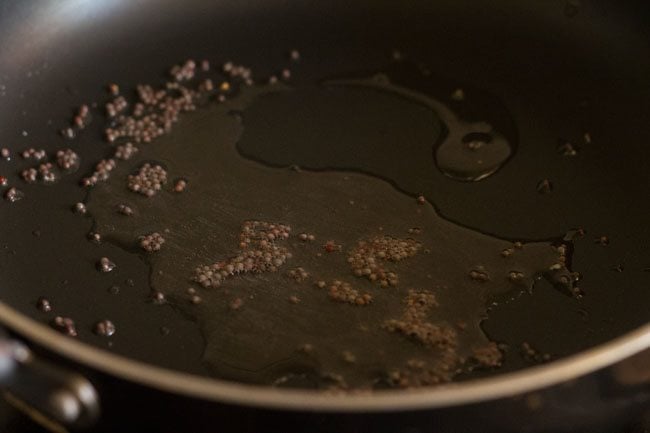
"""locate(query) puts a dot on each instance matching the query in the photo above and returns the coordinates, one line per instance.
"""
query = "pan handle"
(49, 394)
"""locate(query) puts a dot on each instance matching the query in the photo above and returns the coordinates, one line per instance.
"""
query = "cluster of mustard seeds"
(489, 355)
(236, 71)
(43, 172)
(35, 154)
(368, 257)
(29, 175)
(125, 151)
(414, 324)
(67, 159)
(479, 274)
(156, 110)
(148, 181)
(102, 172)
(116, 106)
(82, 118)
(152, 242)
(298, 274)
(186, 70)
(418, 373)
(341, 291)
(258, 253)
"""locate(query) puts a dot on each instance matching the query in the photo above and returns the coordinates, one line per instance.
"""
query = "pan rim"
(219, 391)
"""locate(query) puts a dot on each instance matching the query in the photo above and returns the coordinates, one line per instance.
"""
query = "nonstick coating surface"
(559, 75)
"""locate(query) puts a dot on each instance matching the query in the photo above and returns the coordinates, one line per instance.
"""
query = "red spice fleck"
(331, 246)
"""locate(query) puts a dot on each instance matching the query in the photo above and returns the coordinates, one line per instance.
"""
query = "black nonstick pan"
(353, 216)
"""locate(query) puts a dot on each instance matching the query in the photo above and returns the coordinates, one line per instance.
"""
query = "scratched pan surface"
(545, 72)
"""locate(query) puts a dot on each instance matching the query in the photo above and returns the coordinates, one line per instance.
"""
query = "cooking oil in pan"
(468, 151)
(376, 123)
(330, 277)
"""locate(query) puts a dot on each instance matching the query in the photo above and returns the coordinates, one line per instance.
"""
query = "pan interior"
(574, 93)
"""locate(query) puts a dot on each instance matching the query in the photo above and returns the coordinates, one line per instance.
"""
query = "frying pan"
(557, 69)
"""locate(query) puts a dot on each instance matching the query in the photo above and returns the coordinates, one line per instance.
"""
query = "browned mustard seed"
(12, 195)
(79, 208)
(105, 265)
(158, 297)
(44, 305)
(236, 303)
(113, 89)
(180, 185)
